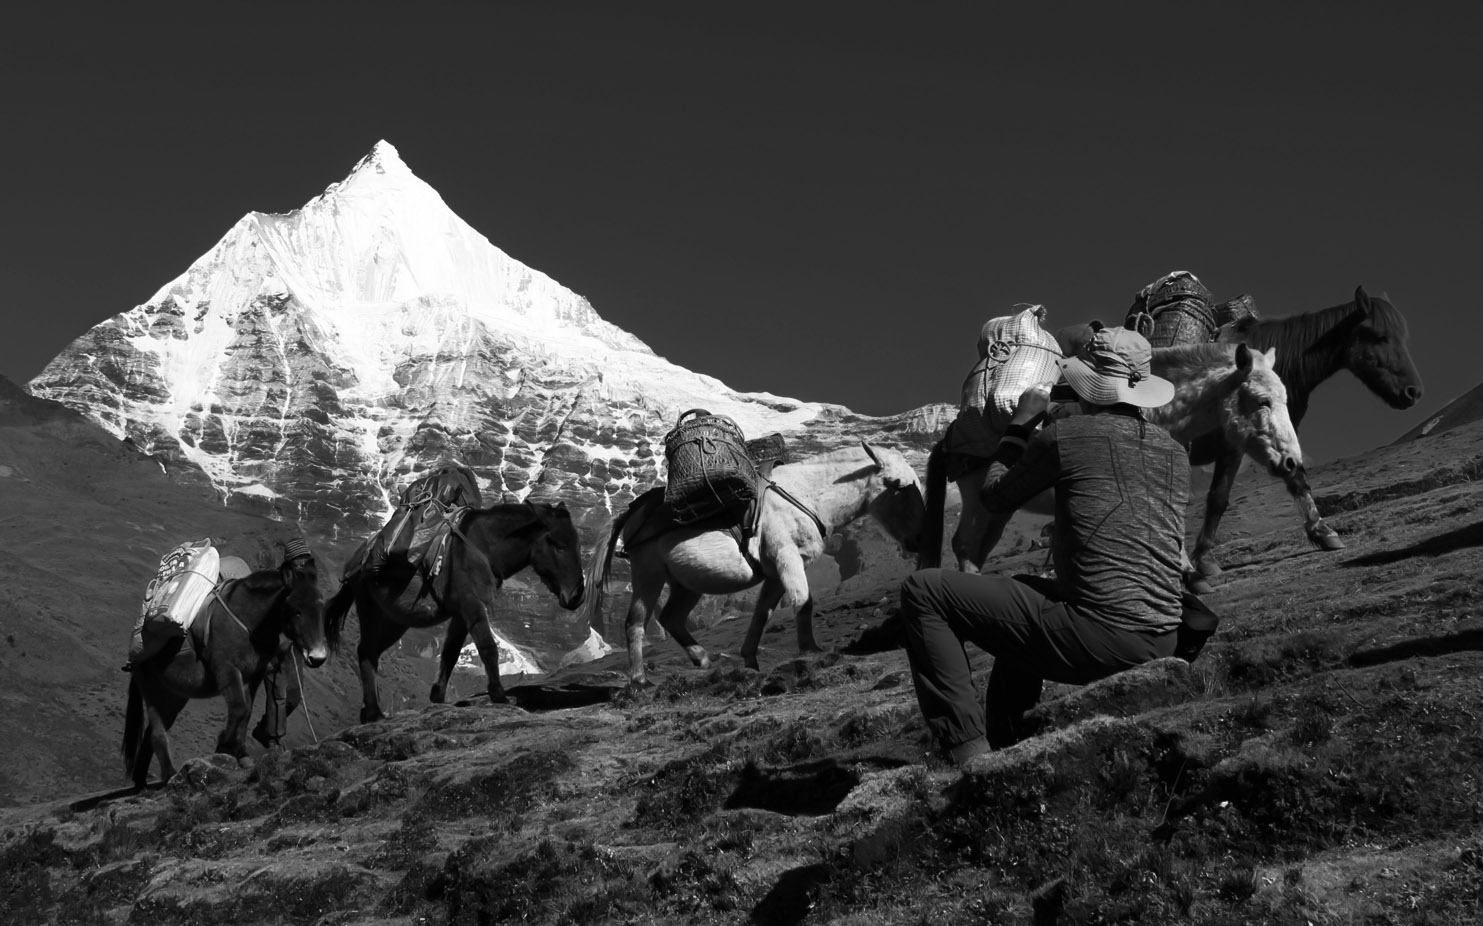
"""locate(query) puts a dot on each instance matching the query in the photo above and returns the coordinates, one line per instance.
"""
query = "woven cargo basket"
(1174, 309)
(709, 468)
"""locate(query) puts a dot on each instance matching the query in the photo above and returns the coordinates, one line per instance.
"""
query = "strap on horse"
(206, 627)
(792, 500)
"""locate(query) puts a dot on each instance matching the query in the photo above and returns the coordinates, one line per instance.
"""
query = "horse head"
(305, 626)
(1376, 349)
(896, 500)
(1257, 419)
(556, 555)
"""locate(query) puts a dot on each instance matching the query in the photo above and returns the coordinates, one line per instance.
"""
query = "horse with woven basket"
(798, 505)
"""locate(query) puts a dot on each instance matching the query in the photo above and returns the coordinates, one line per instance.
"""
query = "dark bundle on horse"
(1234, 311)
(710, 470)
(768, 451)
(419, 528)
(1174, 309)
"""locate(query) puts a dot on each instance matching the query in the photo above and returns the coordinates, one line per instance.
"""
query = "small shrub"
(1312, 727)
(1238, 884)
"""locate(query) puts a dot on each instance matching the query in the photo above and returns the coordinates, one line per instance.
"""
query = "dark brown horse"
(236, 635)
(1368, 337)
(489, 546)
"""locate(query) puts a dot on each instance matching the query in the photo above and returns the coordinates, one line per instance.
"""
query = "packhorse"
(488, 546)
(1367, 336)
(819, 494)
(234, 639)
(1225, 388)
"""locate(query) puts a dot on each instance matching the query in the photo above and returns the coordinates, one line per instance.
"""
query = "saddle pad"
(657, 517)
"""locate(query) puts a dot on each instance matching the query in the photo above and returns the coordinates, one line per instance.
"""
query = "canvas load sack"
(710, 470)
(1174, 309)
(176, 594)
(186, 576)
(1014, 353)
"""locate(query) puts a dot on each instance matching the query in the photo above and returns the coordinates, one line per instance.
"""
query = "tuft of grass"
(682, 793)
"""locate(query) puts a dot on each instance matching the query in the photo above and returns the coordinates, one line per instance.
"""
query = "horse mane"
(1306, 342)
(262, 580)
(536, 514)
(1195, 356)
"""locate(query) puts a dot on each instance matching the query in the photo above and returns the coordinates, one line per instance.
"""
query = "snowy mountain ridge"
(312, 361)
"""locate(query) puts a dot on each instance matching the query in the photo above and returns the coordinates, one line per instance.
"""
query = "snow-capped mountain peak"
(313, 361)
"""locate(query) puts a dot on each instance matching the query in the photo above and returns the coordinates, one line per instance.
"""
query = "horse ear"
(1243, 359)
(1361, 298)
(1271, 354)
(870, 452)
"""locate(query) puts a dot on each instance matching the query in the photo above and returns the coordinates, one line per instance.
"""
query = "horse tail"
(133, 727)
(597, 579)
(930, 554)
(336, 610)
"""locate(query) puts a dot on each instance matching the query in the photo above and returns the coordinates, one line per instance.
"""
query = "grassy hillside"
(1319, 764)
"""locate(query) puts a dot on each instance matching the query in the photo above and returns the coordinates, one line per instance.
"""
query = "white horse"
(1222, 388)
(819, 494)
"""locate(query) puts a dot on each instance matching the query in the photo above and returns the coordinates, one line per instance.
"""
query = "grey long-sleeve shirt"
(1121, 488)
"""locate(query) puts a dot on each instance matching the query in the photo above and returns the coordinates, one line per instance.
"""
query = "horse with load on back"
(201, 636)
(442, 557)
(735, 515)
(1219, 418)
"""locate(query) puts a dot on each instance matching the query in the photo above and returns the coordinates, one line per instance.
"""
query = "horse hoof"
(1208, 568)
(640, 684)
(1326, 539)
(1197, 584)
(436, 694)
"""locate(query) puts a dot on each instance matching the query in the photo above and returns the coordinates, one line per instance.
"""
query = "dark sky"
(823, 204)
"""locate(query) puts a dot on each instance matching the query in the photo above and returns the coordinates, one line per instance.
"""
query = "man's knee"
(918, 588)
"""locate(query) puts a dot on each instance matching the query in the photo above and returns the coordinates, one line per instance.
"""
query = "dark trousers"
(1032, 638)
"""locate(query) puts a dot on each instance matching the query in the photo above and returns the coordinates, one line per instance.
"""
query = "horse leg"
(481, 629)
(672, 618)
(239, 698)
(993, 531)
(767, 599)
(794, 581)
(453, 641)
(967, 537)
(978, 532)
(1318, 531)
(641, 604)
(163, 709)
(375, 639)
(1217, 500)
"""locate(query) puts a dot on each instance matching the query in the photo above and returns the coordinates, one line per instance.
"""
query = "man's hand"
(1033, 403)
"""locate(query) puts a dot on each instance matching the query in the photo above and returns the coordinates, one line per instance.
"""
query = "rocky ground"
(1320, 763)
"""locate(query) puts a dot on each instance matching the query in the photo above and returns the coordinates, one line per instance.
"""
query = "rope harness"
(997, 355)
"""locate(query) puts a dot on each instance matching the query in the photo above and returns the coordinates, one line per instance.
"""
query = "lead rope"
(293, 655)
